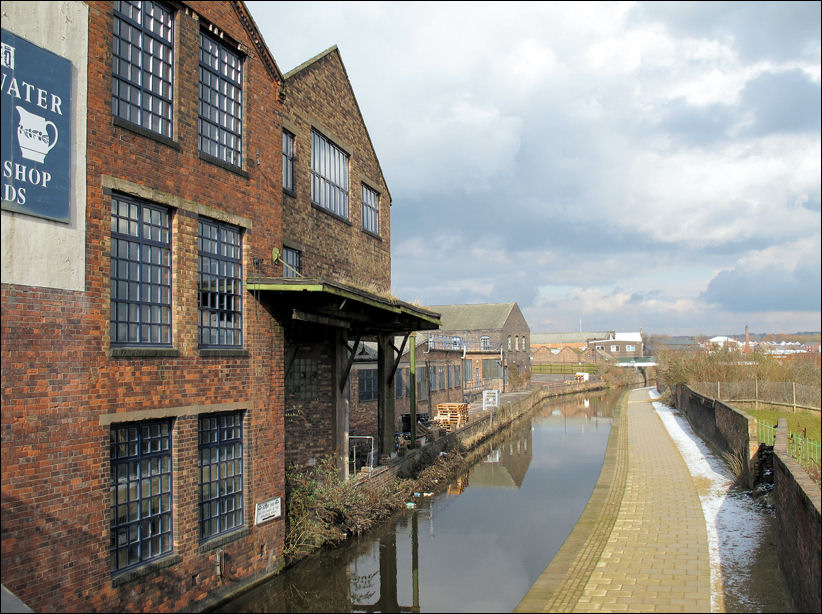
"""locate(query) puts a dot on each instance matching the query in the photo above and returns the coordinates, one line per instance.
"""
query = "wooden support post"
(385, 393)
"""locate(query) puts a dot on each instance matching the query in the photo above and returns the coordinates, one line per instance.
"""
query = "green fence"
(564, 368)
(804, 450)
(801, 448)
(766, 433)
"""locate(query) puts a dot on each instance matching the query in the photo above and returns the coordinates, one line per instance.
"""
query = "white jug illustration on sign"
(33, 136)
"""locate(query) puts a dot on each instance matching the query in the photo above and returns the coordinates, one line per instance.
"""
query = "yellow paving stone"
(648, 550)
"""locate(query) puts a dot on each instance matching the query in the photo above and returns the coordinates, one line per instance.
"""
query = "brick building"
(333, 292)
(147, 331)
(496, 339)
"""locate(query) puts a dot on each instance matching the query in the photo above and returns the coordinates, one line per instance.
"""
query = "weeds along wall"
(730, 430)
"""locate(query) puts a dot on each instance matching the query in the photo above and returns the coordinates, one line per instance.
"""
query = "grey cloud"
(697, 126)
(746, 289)
(758, 30)
(783, 102)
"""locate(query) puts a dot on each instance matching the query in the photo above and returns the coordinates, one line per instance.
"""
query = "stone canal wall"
(732, 431)
(796, 497)
(797, 501)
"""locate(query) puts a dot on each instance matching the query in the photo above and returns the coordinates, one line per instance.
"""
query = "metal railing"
(803, 449)
(766, 433)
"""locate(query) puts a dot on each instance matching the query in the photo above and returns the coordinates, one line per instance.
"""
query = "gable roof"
(254, 34)
(333, 50)
(481, 316)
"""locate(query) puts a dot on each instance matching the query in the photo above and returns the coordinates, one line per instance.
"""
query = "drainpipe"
(412, 384)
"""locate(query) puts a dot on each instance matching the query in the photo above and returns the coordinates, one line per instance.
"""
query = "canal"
(479, 543)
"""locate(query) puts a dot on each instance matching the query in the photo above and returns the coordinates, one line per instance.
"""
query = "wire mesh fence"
(776, 393)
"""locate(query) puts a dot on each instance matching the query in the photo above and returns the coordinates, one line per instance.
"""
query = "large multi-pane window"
(221, 101)
(292, 262)
(288, 161)
(141, 67)
(490, 368)
(302, 380)
(140, 273)
(221, 473)
(485, 343)
(140, 527)
(368, 384)
(467, 366)
(221, 284)
(329, 175)
(370, 210)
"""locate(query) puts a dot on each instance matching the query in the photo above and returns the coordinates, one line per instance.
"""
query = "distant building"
(619, 345)
(576, 340)
(496, 341)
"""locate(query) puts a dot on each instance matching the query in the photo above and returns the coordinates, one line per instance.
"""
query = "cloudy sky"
(622, 165)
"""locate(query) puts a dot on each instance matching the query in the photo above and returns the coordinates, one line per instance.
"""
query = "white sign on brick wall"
(267, 510)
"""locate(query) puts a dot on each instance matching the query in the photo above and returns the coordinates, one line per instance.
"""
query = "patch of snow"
(734, 521)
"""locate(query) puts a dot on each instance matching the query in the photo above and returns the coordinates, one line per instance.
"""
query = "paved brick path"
(641, 543)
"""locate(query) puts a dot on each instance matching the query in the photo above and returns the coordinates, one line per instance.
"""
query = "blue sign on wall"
(36, 129)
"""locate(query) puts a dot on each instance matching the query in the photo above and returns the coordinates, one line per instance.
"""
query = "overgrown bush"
(731, 365)
(323, 510)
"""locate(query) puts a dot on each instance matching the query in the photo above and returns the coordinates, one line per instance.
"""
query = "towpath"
(641, 544)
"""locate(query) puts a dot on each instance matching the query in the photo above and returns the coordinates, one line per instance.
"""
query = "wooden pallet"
(451, 416)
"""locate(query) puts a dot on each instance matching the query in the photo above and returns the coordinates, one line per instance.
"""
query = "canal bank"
(482, 427)
(479, 540)
(641, 543)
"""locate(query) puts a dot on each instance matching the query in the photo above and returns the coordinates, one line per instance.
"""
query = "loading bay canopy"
(328, 303)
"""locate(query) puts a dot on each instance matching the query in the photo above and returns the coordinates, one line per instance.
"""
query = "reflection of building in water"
(505, 466)
(458, 486)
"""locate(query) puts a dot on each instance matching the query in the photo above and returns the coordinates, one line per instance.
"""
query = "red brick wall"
(320, 96)
(59, 378)
(309, 423)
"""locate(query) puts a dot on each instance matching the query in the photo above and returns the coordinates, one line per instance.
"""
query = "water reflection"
(479, 545)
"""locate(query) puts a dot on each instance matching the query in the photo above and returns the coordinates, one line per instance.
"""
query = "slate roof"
(482, 316)
(581, 337)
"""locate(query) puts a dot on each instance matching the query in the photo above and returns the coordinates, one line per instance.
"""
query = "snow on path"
(733, 519)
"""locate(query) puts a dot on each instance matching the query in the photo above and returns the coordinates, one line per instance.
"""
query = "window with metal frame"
(516, 343)
(292, 262)
(140, 273)
(221, 284)
(509, 342)
(368, 383)
(485, 343)
(370, 210)
(422, 383)
(220, 125)
(398, 384)
(443, 383)
(302, 381)
(221, 473)
(141, 65)
(288, 161)
(467, 368)
(329, 175)
(141, 518)
(490, 369)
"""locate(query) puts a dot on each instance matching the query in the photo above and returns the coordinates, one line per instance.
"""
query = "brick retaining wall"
(728, 429)
(797, 501)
